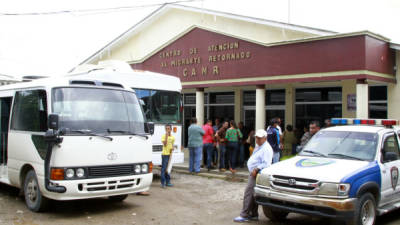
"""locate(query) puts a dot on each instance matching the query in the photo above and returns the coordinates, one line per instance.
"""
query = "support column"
(200, 106)
(238, 105)
(362, 99)
(260, 107)
(393, 93)
(289, 105)
(348, 94)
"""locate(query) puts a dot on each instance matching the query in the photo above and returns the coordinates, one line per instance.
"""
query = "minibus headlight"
(138, 168)
(145, 168)
(80, 173)
(69, 173)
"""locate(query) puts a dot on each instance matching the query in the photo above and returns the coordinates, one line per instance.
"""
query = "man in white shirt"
(260, 159)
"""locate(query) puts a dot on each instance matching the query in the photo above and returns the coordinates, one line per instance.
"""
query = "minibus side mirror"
(53, 121)
(149, 128)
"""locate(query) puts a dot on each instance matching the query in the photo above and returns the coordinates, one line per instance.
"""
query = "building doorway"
(317, 104)
(270, 112)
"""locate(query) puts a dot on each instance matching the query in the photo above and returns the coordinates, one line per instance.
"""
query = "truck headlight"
(263, 180)
(343, 189)
(334, 189)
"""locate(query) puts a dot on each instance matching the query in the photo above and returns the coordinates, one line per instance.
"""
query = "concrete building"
(249, 69)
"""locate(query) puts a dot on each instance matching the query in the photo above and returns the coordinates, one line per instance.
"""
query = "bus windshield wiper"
(127, 132)
(89, 132)
(344, 156)
(315, 153)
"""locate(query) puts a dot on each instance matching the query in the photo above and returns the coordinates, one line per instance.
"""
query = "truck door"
(390, 188)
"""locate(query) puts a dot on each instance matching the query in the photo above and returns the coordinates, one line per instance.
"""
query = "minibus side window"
(30, 111)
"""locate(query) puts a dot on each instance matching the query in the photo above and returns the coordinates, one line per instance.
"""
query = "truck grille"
(295, 184)
(157, 148)
(111, 171)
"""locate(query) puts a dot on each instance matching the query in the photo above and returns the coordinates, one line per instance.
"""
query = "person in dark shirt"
(273, 139)
(221, 145)
(314, 128)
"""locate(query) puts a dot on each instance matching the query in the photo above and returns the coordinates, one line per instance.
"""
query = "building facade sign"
(191, 63)
(201, 55)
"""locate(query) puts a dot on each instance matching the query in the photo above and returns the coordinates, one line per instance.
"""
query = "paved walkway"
(240, 175)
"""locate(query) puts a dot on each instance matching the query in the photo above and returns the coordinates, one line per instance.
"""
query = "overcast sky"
(51, 42)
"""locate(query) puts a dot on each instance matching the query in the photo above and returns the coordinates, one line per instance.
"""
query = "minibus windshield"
(98, 110)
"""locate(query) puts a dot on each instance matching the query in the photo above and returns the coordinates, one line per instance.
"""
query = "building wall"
(174, 30)
(289, 104)
(394, 93)
(176, 22)
(348, 88)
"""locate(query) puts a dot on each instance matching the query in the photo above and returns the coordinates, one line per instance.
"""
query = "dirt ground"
(193, 200)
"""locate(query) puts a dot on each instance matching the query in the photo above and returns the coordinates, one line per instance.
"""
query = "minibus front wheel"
(34, 199)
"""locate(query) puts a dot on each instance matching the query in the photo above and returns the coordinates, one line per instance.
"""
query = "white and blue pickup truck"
(348, 173)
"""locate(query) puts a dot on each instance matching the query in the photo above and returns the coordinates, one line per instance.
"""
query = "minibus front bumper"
(100, 187)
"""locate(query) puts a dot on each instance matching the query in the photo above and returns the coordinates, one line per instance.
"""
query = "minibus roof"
(113, 79)
(136, 79)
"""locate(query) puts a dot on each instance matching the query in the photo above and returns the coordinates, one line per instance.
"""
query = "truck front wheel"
(274, 215)
(365, 213)
(118, 198)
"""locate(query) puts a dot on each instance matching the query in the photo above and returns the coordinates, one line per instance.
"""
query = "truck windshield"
(160, 106)
(98, 110)
(342, 144)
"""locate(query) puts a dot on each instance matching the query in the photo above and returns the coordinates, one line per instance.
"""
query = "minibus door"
(5, 107)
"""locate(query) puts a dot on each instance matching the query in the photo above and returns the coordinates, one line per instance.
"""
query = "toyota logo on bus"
(112, 156)
(292, 182)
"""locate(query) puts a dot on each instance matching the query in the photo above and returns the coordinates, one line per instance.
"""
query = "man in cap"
(260, 159)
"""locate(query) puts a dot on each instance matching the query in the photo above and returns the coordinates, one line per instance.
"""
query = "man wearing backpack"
(273, 139)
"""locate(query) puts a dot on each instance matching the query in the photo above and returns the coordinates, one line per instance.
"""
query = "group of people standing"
(222, 141)
(227, 145)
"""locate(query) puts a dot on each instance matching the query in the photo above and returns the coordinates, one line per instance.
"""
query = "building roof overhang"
(142, 24)
(395, 46)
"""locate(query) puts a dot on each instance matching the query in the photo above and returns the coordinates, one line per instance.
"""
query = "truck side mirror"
(53, 121)
(390, 156)
(149, 128)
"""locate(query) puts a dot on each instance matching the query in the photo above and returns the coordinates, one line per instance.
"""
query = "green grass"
(287, 157)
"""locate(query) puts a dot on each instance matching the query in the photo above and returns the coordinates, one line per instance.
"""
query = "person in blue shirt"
(260, 159)
(195, 145)
(274, 139)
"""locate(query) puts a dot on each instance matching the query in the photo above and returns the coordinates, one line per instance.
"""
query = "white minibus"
(160, 97)
(73, 137)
